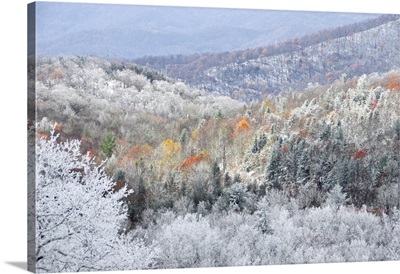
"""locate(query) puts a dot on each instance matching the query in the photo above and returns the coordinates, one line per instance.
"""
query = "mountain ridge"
(93, 29)
(318, 58)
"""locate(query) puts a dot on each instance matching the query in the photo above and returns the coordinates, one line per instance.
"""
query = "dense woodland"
(192, 180)
(356, 49)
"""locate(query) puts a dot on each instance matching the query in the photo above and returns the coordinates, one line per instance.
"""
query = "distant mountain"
(352, 50)
(131, 31)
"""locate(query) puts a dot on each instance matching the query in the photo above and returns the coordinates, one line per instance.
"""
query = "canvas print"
(178, 137)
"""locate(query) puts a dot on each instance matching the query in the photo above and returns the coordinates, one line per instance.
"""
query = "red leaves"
(189, 162)
(90, 154)
(360, 154)
(42, 135)
(117, 186)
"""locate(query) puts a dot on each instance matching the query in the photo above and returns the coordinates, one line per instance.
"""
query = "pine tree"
(336, 197)
(326, 133)
(263, 218)
(183, 138)
(254, 149)
(227, 180)
(262, 141)
(303, 167)
(108, 144)
(216, 179)
(274, 171)
(237, 196)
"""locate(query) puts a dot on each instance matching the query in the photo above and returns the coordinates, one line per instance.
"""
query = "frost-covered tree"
(263, 141)
(274, 171)
(79, 215)
(336, 197)
(263, 219)
(188, 242)
(237, 197)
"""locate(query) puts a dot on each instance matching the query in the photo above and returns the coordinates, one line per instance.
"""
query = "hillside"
(303, 177)
(319, 58)
(173, 128)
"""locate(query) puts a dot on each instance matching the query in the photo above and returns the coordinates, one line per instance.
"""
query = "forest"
(322, 57)
(136, 170)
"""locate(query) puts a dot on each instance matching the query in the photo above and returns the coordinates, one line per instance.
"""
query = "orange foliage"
(42, 135)
(134, 154)
(90, 154)
(394, 82)
(140, 151)
(242, 126)
(360, 154)
(189, 162)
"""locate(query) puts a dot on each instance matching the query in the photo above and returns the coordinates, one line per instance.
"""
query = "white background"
(13, 129)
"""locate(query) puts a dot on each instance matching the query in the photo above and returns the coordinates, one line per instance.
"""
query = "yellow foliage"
(195, 134)
(171, 148)
(268, 104)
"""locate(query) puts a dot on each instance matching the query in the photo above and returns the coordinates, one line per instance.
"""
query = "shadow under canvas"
(21, 265)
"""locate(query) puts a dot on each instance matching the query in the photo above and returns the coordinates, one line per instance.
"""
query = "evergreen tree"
(219, 115)
(237, 179)
(274, 171)
(183, 138)
(216, 179)
(290, 160)
(254, 149)
(303, 167)
(227, 180)
(263, 218)
(396, 129)
(137, 200)
(238, 196)
(336, 197)
(119, 175)
(326, 133)
(108, 144)
(183, 189)
(262, 141)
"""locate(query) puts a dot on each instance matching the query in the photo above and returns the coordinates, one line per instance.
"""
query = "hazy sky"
(131, 31)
